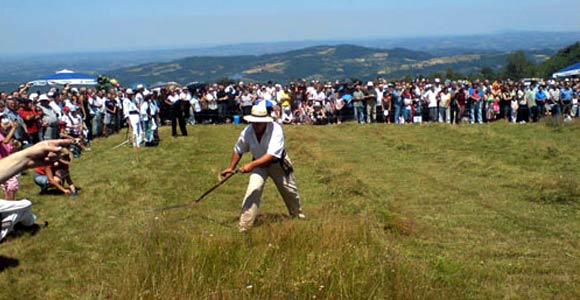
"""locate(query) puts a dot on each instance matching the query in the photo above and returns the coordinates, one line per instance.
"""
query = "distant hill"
(563, 58)
(320, 63)
(19, 68)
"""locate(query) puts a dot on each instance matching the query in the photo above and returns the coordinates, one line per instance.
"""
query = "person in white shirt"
(318, 96)
(430, 96)
(54, 105)
(265, 94)
(212, 106)
(145, 115)
(264, 139)
(247, 99)
(131, 113)
(194, 110)
(380, 103)
(444, 105)
(97, 104)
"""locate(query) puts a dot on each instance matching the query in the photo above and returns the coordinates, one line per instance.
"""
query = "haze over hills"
(315, 63)
(15, 69)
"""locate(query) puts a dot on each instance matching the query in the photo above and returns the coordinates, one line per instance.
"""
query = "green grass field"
(409, 212)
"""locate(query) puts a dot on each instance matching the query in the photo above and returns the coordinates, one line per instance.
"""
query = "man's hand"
(247, 168)
(226, 172)
(44, 153)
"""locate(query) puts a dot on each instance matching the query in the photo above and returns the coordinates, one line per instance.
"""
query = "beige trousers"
(286, 184)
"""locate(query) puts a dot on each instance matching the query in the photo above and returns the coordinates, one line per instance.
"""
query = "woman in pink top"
(7, 128)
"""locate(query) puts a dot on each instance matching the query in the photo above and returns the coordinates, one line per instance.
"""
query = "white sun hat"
(43, 97)
(259, 114)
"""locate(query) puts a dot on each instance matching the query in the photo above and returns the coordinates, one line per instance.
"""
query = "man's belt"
(284, 163)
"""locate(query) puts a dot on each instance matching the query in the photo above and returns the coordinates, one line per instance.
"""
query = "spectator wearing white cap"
(49, 118)
(380, 110)
(97, 104)
(430, 96)
(371, 103)
(131, 113)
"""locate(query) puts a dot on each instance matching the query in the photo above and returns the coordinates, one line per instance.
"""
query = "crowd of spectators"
(400, 102)
(82, 114)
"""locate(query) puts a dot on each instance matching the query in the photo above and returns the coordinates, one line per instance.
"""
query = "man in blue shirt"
(541, 97)
(397, 102)
(566, 98)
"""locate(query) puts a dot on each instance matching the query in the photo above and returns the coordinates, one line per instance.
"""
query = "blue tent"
(64, 77)
(573, 70)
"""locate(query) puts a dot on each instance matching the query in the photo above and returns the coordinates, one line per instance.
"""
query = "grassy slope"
(413, 212)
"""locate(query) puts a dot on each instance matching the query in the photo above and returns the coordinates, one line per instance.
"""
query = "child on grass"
(56, 175)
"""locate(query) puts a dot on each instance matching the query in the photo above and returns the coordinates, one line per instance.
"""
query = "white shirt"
(129, 106)
(185, 96)
(173, 98)
(211, 101)
(194, 102)
(73, 123)
(319, 97)
(265, 95)
(139, 98)
(56, 108)
(272, 141)
(431, 98)
(145, 111)
(246, 100)
(97, 104)
(379, 96)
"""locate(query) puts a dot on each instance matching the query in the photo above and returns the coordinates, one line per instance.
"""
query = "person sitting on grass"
(56, 174)
(15, 212)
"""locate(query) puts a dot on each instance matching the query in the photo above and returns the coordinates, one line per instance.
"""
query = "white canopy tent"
(64, 77)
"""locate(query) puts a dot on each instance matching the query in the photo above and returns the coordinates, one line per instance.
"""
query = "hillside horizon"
(325, 62)
(14, 71)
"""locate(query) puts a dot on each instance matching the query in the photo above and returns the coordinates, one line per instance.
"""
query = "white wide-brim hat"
(259, 114)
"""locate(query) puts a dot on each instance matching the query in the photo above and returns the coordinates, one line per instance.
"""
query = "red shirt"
(42, 170)
(32, 125)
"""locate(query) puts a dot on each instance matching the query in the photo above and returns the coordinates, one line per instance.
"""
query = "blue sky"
(48, 26)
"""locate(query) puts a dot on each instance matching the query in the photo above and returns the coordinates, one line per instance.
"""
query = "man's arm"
(38, 155)
(262, 161)
(10, 134)
(55, 183)
(236, 157)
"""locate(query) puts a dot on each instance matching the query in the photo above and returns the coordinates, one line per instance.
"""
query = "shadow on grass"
(21, 230)
(270, 218)
(262, 219)
(7, 263)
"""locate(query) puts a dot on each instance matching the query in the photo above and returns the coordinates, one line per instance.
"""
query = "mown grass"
(410, 212)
